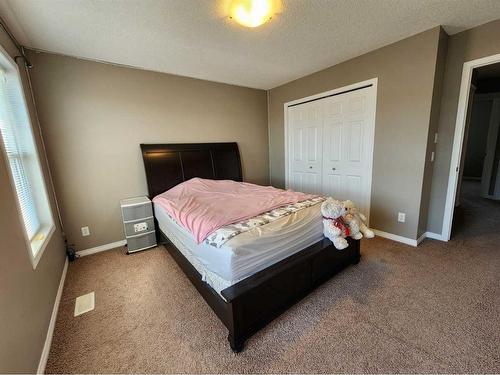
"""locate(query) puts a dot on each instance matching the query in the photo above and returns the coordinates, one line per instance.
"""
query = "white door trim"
(373, 82)
(458, 139)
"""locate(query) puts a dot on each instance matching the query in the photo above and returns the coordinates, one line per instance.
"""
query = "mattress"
(248, 252)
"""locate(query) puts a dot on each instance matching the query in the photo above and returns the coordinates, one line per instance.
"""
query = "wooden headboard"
(168, 165)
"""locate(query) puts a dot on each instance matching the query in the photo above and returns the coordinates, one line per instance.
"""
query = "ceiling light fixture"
(253, 13)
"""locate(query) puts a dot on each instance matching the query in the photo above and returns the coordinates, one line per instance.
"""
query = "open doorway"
(477, 204)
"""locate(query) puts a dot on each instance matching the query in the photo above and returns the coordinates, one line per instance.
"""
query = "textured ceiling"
(195, 38)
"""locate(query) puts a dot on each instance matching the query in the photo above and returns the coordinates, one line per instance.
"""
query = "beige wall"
(468, 45)
(27, 296)
(405, 72)
(94, 116)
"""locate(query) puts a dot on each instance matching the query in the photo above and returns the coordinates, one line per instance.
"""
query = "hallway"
(476, 216)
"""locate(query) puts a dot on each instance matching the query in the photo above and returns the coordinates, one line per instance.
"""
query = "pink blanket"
(203, 206)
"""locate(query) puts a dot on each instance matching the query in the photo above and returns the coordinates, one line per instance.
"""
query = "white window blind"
(17, 140)
(22, 158)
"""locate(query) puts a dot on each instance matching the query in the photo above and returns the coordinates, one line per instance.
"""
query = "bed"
(251, 279)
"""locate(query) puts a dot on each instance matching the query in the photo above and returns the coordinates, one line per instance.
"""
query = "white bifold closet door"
(331, 146)
(306, 147)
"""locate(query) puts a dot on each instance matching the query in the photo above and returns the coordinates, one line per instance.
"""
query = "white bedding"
(248, 252)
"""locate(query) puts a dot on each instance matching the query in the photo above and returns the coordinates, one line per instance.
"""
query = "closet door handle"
(334, 169)
(310, 167)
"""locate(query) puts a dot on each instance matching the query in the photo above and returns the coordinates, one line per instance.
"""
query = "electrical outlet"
(140, 227)
(435, 137)
(85, 231)
(401, 217)
(432, 156)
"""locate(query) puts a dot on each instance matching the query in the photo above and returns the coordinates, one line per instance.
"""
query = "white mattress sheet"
(248, 252)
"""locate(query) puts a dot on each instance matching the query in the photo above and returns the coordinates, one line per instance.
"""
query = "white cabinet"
(330, 145)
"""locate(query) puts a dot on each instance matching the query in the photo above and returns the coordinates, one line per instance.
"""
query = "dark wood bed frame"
(253, 302)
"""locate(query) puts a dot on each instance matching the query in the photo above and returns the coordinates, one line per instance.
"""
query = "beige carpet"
(435, 308)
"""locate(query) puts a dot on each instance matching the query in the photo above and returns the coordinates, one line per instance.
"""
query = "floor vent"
(84, 303)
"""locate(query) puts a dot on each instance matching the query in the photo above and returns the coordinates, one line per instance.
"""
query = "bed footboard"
(252, 303)
(262, 297)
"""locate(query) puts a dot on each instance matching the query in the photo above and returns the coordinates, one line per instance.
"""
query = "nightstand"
(138, 223)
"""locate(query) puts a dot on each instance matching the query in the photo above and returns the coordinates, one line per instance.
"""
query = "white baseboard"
(98, 249)
(434, 236)
(52, 324)
(421, 238)
(406, 240)
(395, 237)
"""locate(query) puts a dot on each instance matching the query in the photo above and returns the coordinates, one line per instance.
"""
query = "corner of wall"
(442, 44)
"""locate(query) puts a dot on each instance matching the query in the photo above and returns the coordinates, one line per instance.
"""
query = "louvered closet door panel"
(305, 147)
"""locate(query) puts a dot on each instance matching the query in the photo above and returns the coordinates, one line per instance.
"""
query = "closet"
(329, 145)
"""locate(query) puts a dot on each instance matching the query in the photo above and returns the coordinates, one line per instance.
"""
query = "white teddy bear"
(334, 227)
(354, 218)
(352, 223)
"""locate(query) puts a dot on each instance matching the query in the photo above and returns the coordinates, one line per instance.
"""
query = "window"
(22, 157)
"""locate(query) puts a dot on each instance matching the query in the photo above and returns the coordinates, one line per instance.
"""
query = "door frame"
(373, 82)
(458, 139)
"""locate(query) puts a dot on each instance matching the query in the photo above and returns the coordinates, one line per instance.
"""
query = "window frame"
(35, 247)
